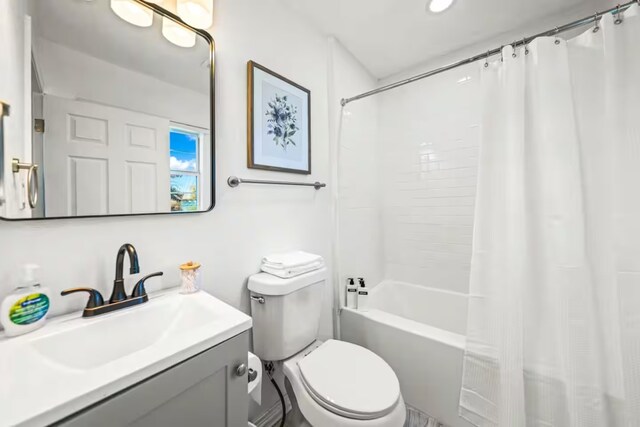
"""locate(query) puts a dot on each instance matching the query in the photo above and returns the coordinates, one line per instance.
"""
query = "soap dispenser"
(26, 308)
(352, 293)
(363, 295)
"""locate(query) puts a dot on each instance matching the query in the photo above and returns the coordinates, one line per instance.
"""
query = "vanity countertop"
(74, 362)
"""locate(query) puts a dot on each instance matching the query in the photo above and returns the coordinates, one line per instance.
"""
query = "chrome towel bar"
(234, 181)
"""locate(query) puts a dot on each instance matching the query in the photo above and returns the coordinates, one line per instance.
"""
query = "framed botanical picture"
(279, 122)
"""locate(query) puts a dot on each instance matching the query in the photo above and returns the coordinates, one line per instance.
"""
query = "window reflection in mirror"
(185, 147)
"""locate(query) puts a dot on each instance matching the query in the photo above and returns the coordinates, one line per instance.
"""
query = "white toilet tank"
(286, 313)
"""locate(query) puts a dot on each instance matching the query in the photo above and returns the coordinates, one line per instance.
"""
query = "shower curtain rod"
(557, 30)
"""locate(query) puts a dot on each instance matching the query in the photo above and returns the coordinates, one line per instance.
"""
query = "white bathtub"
(420, 332)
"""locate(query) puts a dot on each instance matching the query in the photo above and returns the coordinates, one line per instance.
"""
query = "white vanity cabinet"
(206, 390)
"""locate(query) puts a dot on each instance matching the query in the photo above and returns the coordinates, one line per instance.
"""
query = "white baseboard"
(272, 416)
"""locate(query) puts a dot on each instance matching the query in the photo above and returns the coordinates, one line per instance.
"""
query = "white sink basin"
(74, 362)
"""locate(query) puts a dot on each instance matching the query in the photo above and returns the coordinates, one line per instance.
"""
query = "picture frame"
(278, 122)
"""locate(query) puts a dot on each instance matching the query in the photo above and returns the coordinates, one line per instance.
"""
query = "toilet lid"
(350, 380)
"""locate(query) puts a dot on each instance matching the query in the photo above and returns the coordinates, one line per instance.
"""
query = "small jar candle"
(191, 277)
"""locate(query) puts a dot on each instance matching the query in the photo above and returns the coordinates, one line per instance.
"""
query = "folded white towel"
(290, 260)
(287, 273)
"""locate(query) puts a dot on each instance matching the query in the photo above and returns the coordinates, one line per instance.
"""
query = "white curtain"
(554, 308)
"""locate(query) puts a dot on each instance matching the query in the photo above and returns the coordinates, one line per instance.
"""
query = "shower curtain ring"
(515, 45)
(557, 39)
(596, 19)
(501, 54)
(526, 47)
(618, 20)
(486, 60)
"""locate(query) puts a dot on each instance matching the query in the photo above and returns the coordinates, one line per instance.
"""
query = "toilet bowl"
(338, 384)
(332, 383)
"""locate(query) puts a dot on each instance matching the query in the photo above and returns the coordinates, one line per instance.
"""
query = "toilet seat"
(349, 380)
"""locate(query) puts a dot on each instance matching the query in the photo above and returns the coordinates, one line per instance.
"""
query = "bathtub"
(420, 332)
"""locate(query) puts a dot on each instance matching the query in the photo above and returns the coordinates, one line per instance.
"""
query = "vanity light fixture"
(438, 6)
(174, 32)
(133, 12)
(197, 13)
(177, 34)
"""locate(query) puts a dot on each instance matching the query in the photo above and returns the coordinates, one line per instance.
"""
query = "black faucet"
(119, 299)
(118, 294)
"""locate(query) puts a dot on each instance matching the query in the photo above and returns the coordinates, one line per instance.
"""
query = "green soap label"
(29, 309)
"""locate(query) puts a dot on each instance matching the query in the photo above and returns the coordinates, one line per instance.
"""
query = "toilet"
(331, 383)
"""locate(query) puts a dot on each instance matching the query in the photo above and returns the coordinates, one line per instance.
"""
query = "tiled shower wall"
(429, 140)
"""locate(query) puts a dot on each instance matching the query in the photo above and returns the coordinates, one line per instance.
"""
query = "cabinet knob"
(241, 370)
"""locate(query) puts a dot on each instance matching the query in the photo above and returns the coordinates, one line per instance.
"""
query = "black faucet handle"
(138, 289)
(95, 297)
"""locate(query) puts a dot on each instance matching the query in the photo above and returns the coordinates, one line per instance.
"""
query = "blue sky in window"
(183, 147)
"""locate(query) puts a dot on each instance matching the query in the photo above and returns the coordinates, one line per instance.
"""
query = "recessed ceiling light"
(438, 6)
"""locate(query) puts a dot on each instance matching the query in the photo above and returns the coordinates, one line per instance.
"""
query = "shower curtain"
(554, 307)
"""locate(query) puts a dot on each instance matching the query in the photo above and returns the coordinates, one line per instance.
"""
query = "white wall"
(247, 222)
(354, 134)
(71, 74)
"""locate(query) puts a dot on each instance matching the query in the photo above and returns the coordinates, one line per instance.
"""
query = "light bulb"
(132, 12)
(177, 34)
(197, 13)
(437, 6)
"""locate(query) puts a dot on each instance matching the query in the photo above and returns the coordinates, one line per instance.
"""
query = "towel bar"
(234, 181)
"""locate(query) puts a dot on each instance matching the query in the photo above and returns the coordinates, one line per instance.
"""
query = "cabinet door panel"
(186, 409)
(201, 391)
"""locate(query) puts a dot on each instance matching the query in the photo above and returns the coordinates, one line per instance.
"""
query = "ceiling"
(390, 36)
(89, 26)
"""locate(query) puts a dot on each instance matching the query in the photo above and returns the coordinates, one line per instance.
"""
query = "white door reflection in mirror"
(104, 160)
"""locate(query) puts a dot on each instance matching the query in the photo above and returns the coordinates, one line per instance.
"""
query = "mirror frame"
(212, 101)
